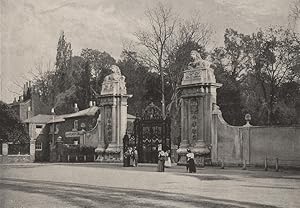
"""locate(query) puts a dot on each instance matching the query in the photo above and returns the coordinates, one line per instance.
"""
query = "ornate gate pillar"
(113, 117)
(198, 94)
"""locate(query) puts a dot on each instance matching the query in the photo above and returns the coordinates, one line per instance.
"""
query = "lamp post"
(53, 113)
(28, 112)
(83, 133)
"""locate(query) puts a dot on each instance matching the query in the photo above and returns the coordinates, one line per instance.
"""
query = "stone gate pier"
(113, 117)
(198, 96)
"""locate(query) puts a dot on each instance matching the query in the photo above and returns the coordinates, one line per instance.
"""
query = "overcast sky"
(30, 28)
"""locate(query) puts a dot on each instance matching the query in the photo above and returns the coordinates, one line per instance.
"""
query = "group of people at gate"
(131, 157)
(164, 159)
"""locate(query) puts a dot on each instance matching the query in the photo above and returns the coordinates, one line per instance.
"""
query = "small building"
(38, 130)
(64, 137)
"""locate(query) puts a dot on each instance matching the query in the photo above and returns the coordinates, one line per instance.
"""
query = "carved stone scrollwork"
(194, 117)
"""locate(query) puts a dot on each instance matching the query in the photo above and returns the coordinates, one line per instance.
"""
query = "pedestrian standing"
(161, 161)
(131, 160)
(190, 161)
(127, 158)
(136, 157)
(168, 163)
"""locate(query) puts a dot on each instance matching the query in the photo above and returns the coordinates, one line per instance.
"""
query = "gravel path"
(100, 185)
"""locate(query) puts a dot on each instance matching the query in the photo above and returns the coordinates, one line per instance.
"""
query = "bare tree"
(194, 30)
(156, 41)
(274, 58)
(294, 15)
(167, 33)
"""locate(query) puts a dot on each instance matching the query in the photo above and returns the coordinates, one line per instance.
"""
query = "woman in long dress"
(136, 156)
(190, 160)
(168, 163)
(131, 160)
(161, 161)
(127, 158)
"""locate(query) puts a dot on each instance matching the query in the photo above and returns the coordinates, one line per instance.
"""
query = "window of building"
(75, 128)
(52, 128)
(56, 128)
(38, 129)
(38, 146)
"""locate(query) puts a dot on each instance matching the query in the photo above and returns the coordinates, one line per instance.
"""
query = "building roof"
(57, 119)
(19, 103)
(91, 111)
(40, 118)
(131, 116)
(44, 119)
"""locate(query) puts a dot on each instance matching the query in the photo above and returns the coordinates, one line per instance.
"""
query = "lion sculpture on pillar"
(199, 70)
(114, 83)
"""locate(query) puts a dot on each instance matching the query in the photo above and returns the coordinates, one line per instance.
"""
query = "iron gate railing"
(151, 132)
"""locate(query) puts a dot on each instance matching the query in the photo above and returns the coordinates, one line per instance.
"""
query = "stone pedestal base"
(111, 154)
(200, 151)
(182, 151)
(100, 153)
(199, 160)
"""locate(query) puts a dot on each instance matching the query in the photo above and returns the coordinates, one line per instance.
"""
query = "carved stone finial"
(247, 119)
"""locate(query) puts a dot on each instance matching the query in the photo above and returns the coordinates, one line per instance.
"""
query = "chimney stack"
(20, 98)
(76, 107)
(27, 85)
(91, 103)
(94, 103)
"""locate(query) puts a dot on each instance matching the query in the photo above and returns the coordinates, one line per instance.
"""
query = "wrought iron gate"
(151, 132)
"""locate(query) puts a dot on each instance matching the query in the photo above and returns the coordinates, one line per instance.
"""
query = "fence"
(18, 149)
(75, 153)
(15, 153)
(268, 164)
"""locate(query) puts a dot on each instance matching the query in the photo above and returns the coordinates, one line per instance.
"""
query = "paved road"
(100, 185)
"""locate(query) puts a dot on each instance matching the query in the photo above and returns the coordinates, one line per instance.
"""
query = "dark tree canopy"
(257, 71)
(11, 129)
(260, 72)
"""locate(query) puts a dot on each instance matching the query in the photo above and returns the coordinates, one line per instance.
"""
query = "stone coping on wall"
(290, 127)
(204, 84)
(115, 95)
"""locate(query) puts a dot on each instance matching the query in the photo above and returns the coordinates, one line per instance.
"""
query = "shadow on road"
(101, 196)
